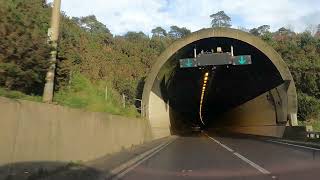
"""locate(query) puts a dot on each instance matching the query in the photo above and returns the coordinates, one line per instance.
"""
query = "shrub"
(309, 107)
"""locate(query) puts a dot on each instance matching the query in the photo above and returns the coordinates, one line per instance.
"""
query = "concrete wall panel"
(33, 131)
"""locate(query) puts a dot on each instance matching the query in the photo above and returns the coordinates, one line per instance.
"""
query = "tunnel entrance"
(255, 99)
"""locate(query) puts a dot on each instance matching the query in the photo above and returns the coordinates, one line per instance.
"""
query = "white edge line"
(131, 164)
(256, 166)
(305, 147)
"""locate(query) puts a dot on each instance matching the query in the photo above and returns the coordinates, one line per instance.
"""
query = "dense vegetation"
(90, 58)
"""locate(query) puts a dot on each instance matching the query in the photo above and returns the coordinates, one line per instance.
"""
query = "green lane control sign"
(188, 63)
(241, 60)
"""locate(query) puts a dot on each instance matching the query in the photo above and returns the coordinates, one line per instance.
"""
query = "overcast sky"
(121, 16)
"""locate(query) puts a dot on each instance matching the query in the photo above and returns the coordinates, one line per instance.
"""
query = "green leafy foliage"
(23, 51)
(261, 30)
(220, 19)
(177, 32)
(309, 107)
(158, 32)
(84, 94)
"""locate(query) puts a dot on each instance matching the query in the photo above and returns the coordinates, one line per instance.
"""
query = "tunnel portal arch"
(157, 109)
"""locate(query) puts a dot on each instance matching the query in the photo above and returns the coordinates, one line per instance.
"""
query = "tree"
(91, 24)
(177, 32)
(158, 32)
(23, 52)
(284, 34)
(264, 29)
(260, 31)
(308, 84)
(134, 36)
(285, 31)
(312, 29)
(220, 19)
(306, 39)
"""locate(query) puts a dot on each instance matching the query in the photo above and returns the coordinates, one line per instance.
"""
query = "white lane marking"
(264, 171)
(256, 166)
(224, 146)
(127, 167)
(305, 147)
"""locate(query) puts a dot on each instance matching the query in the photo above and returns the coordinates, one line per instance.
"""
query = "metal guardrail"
(313, 135)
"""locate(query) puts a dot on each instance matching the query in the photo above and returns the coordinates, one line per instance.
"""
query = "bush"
(309, 107)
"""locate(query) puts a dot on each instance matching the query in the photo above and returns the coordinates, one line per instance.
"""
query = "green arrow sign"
(188, 63)
(241, 60)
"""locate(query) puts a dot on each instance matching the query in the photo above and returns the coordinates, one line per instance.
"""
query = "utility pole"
(53, 34)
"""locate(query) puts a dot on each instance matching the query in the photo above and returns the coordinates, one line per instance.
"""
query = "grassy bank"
(18, 95)
(92, 96)
(83, 94)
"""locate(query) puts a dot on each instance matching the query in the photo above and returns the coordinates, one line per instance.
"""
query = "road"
(214, 157)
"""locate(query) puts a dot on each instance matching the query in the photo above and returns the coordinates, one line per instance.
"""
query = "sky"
(121, 16)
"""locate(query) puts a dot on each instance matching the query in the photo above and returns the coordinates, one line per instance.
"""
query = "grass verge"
(18, 95)
(83, 94)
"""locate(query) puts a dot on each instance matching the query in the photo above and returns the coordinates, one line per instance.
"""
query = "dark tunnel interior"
(228, 86)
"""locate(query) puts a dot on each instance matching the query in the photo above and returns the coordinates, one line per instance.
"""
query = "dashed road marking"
(224, 146)
(259, 168)
(256, 166)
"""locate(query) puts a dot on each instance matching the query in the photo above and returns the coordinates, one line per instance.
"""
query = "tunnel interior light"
(205, 80)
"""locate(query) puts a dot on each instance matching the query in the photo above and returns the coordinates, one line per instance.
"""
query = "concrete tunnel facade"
(256, 99)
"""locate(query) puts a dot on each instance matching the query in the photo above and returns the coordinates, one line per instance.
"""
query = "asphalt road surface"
(214, 157)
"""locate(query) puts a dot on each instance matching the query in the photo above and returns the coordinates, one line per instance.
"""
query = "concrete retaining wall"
(33, 131)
